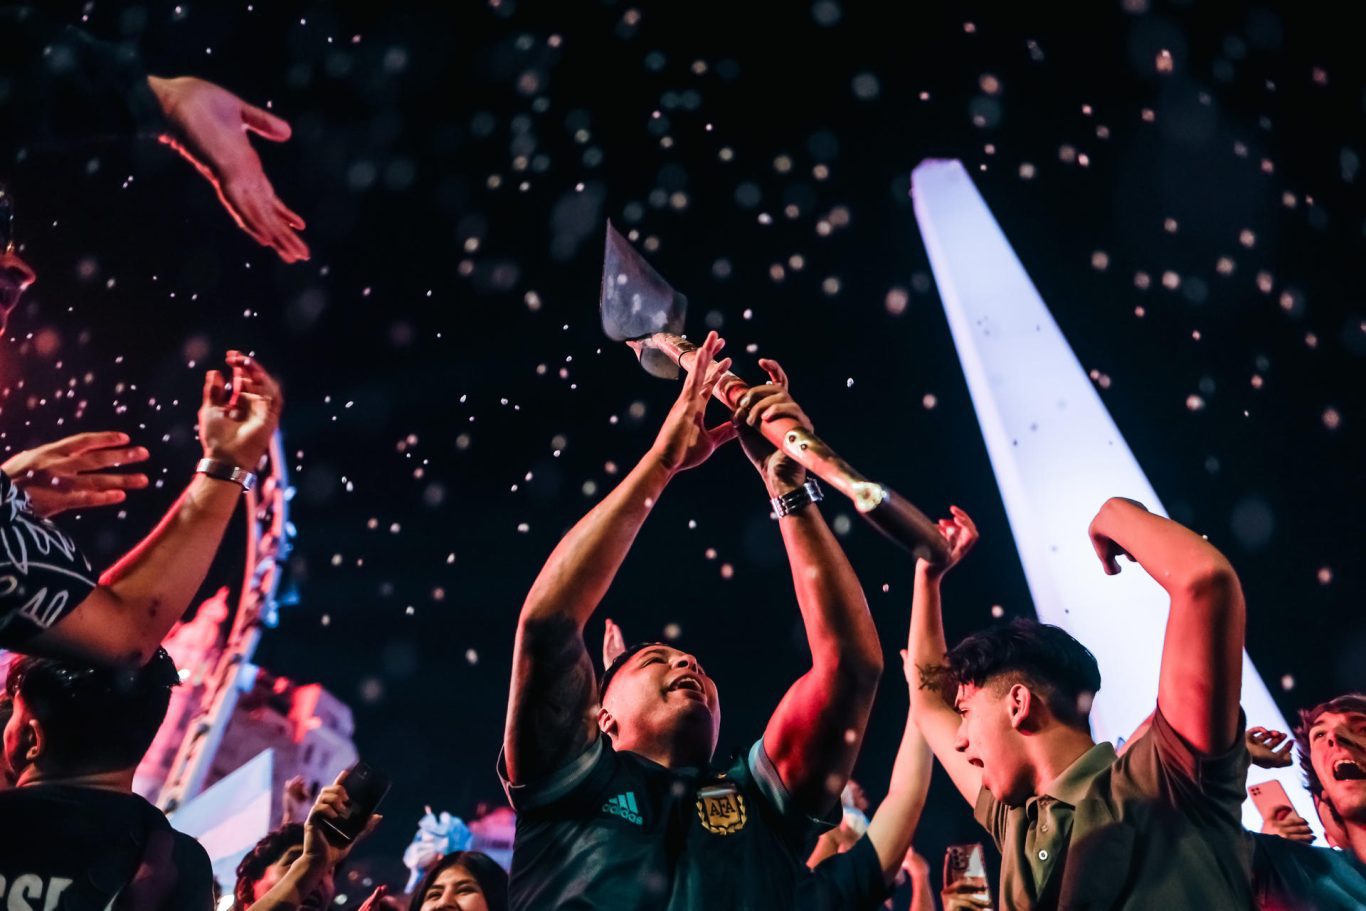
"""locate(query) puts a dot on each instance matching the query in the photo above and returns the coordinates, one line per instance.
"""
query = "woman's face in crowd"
(317, 900)
(454, 889)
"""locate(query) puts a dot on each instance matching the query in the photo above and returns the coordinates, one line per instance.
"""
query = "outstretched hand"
(72, 473)
(209, 127)
(236, 426)
(1269, 749)
(961, 533)
(770, 402)
(684, 441)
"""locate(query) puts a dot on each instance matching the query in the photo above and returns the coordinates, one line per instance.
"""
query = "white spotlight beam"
(1057, 456)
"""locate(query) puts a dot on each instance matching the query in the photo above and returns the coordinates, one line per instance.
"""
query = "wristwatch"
(226, 471)
(793, 500)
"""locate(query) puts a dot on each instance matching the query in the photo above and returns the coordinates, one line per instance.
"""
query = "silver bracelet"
(226, 471)
(793, 500)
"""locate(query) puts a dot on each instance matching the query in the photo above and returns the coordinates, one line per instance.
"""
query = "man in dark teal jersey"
(619, 804)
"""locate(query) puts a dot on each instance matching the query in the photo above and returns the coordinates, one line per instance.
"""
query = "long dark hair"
(492, 879)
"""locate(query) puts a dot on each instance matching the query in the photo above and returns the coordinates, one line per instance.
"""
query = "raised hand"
(332, 802)
(769, 402)
(209, 127)
(1286, 823)
(613, 643)
(296, 804)
(967, 894)
(1106, 549)
(961, 533)
(684, 440)
(236, 426)
(1269, 749)
(72, 473)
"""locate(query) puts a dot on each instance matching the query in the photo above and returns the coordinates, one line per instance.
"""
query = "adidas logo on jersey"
(624, 805)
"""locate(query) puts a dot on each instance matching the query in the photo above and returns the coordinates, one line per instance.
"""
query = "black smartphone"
(365, 787)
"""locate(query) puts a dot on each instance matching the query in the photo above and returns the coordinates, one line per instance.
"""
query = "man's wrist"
(228, 470)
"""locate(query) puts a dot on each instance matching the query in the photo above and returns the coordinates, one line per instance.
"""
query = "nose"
(960, 741)
(688, 662)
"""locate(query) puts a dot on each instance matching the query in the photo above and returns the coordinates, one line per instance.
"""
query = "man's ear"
(606, 723)
(32, 740)
(1021, 707)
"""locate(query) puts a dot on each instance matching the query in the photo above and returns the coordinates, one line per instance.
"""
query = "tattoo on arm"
(937, 678)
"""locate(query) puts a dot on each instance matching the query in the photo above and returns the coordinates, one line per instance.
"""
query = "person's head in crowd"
(71, 721)
(1024, 689)
(463, 881)
(657, 700)
(1332, 745)
(15, 274)
(268, 862)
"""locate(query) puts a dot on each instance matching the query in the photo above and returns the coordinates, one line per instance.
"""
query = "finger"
(265, 384)
(1107, 560)
(700, 363)
(714, 374)
(292, 218)
(89, 499)
(81, 442)
(95, 459)
(711, 348)
(215, 392)
(963, 519)
(759, 402)
(103, 481)
(722, 434)
(264, 124)
(788, 409)
(775, 371)
(1275, 738)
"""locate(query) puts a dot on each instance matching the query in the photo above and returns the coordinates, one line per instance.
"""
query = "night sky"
(1181, 181)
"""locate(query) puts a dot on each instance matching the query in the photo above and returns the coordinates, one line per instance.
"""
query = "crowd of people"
(620, 799)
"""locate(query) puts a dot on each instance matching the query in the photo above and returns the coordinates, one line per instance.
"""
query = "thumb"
(265, 124)
(214, 388)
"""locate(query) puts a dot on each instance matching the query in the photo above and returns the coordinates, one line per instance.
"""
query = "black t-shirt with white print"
(43, 575)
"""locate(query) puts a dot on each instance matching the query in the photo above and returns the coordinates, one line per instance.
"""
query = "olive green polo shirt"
(1159, 827)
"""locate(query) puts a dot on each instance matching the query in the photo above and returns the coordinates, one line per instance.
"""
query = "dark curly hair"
(266, 852)
(492, 879)
(1346, 703)
(94, 719)
(1044, 657)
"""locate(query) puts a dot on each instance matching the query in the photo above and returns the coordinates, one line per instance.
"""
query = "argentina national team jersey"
(616, 832)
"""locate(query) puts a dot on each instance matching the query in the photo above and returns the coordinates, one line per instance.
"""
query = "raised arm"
(139, 598)
(1202, 655)
(893, 825)
(553, 684)
(814, 735)
(932, 694)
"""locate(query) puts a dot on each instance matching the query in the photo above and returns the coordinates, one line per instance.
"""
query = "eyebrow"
(652, 650)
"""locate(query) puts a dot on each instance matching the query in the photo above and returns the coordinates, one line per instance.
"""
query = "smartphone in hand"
(365, 787)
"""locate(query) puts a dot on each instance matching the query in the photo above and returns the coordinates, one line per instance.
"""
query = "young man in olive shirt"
(1159, 827)
(619, 804)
